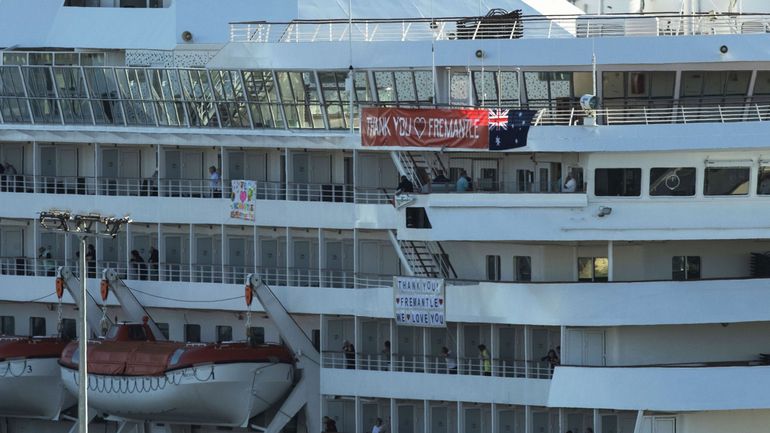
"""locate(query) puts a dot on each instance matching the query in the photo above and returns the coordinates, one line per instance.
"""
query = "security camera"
(604, 211)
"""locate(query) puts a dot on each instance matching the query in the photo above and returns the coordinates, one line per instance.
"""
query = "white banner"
(419, 302)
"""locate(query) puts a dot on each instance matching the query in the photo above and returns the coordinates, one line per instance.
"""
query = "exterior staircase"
(419, 167)
(423, 258)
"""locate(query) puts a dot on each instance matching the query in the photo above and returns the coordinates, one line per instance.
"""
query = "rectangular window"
(7, 325)
(763, 181)
(163, 329)
(317, 339)
(618, 182)
(493, 268)
(522, 268)
(37, 326)
(593, 269)
(69, 329)
(192, 333)
(224, 333)
(256, 335)
(679, 181)
(685, 268)
(726, 181)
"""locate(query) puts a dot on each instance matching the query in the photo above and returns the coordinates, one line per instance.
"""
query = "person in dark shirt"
(440, 178)
(404, 186)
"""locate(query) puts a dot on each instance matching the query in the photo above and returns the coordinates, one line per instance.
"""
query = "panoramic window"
(638, 88)
(496, 88)
(673, 181)
(404, 86)
(593, 269)
(685, 268)
(618, 182)
(726, 181)
(712, 87)
(522, 268)
(493, 268)
(556, 90)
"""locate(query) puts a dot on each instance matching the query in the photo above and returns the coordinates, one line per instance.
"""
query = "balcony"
(702, 387)
(190, 188)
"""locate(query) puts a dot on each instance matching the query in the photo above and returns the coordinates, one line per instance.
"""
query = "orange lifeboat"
(134, 377)
(30, 382)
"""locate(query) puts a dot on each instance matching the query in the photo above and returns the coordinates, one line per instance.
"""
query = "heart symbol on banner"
(408, 316)
(440, 301)
(397, 300)
(419, 126)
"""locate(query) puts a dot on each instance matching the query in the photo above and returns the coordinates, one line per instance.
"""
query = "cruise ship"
(493, 216)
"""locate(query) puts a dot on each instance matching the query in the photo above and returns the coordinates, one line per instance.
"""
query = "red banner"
(417, 127)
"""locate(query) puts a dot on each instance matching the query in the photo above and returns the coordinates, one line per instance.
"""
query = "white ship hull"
(32, 388)
(223, 394)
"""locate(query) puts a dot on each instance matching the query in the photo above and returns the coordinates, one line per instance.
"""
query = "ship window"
(618, 182)
(192, 333)
(763, 180)
(685, 268)
(495, 89)
(163, 329)
(299, 94)
(256, 335)
(522, 268)
(224, 333)
(317, 339)
(69, 329)
(7, 325)
(714, 86)
(726, 181)
(493, 268)
(593, 269)
(556, 90)
(417, 218)
(336, 98)
(679, 181)
(136, 333)
(37, 326)
(14, 58)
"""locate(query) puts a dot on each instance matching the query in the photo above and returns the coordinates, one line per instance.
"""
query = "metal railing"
(475, 28)
(432, 364)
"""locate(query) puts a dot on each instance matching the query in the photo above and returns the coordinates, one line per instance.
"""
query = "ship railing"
(432, 364)
(121, 268)
(479, 28)
(23, 266)
(492, 186)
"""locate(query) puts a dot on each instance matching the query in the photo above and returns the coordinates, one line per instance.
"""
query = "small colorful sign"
(419, 302)
(243, 199)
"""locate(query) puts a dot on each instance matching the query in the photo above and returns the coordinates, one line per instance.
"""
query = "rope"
(9, 371)
(141, 384)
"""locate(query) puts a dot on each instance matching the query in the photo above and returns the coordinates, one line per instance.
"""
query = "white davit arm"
(306, 391)
(94, 311)
(132, 308)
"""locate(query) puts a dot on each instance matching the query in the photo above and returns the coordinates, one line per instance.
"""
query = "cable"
(179, 300)
(41, 298)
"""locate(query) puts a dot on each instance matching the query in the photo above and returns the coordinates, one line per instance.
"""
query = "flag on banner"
(508, 128)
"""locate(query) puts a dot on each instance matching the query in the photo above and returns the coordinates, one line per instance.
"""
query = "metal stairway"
(423, 258)
(413, 164)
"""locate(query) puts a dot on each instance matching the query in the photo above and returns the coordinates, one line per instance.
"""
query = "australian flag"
(508, 128)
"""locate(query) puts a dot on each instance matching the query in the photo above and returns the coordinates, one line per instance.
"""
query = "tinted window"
(7, 325)
(192, 333)
(256, 335)
(69, 329)
(37, 326)
(523, 268)
(493, 268)
(726, 181)
(685, 268)
(224, 333)
(618, 182)
(763, 181)
(672, 181)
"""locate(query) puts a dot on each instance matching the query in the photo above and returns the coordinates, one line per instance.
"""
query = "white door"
(256, 166)
(507, 349)
(321, 169)
(584, 347)
(195, 177)
(48, 161)
(369, 257)
(130, 164)
(12, 242)
(507, 421)
(665, 425)
(235, 168)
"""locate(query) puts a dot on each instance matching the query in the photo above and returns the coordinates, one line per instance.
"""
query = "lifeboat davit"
(133, 377)
(30, 381)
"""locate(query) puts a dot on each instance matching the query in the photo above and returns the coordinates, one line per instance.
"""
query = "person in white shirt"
(378, 426)
(451, 362)
(215, 182)
(570, 185)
